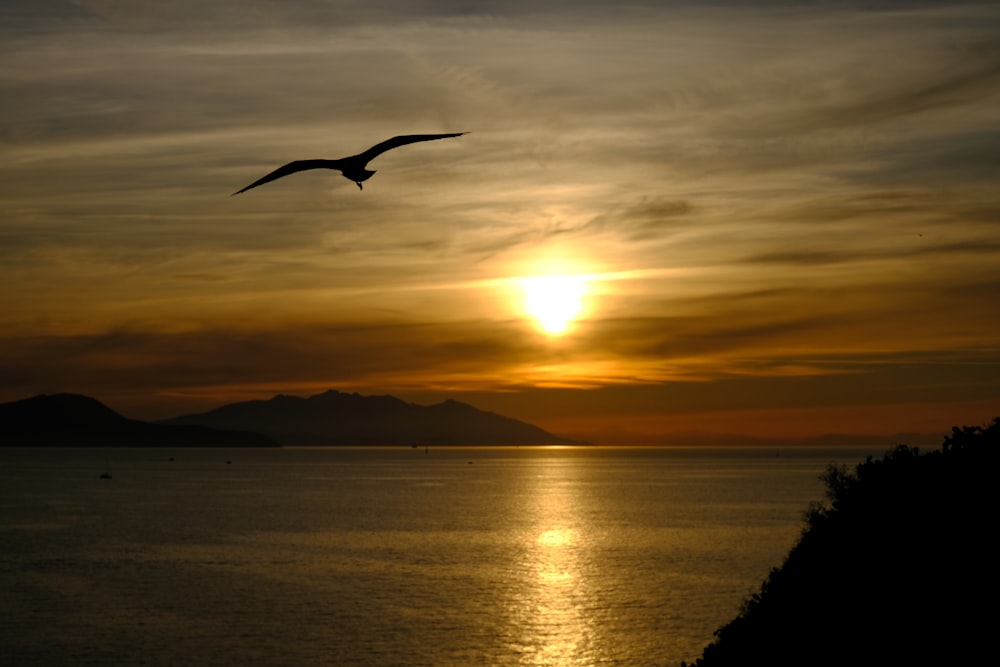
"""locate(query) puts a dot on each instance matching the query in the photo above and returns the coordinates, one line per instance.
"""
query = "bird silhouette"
(354, 168)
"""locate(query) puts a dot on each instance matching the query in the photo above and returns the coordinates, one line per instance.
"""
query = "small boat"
(107, 470)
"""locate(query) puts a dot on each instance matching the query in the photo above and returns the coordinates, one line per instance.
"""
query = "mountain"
(335, 418)
(75, 420)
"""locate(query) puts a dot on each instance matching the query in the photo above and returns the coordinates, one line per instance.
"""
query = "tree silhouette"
(897, 568)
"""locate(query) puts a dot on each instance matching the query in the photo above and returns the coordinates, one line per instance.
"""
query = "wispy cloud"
(750, 186)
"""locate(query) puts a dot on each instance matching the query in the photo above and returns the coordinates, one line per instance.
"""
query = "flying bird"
(354, 168)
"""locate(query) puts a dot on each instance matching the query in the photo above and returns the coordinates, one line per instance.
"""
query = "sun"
(554, 301)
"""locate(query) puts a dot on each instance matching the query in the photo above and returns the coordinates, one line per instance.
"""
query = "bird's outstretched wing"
(401, 140)
(291, 168)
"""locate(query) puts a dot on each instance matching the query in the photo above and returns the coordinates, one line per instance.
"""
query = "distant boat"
(107, 470)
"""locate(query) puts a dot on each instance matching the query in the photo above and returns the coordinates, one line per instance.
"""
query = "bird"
(354, 168)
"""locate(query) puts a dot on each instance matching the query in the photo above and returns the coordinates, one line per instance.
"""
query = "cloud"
(752, 186)
(143, 361)
(950, 85)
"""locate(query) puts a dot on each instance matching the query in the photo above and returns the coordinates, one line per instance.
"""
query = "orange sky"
(776, 220)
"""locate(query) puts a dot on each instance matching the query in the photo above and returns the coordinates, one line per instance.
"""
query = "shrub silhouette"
(899, 568)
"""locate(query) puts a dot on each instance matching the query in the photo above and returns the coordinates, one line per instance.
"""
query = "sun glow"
(554, 301)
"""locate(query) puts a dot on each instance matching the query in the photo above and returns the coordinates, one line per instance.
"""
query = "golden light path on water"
(555, 599)
(531, 557)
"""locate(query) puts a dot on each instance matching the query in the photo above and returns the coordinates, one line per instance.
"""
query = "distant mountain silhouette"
(899, 569)
(335, 418)
(75, 420)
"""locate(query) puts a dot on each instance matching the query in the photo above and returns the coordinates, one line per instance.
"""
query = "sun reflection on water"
(557, 537)
(554, 558)
(553, 607)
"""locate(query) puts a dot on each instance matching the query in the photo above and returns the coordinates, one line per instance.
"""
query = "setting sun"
(554, 301)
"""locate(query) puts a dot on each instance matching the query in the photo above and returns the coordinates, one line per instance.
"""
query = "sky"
(771, 220)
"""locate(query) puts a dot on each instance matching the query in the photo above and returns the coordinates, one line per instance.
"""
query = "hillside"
(74, 420)
(335, 418)
(898, 569)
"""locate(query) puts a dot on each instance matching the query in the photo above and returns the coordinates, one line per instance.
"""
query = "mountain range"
(336, 418)
(330, 418)
(73, 420)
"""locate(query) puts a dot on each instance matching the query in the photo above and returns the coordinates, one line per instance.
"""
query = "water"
(510, 556)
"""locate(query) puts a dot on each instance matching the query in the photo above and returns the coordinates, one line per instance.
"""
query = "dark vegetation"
(899, 567)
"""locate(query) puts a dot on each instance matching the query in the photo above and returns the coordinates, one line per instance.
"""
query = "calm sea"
(500, 556)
